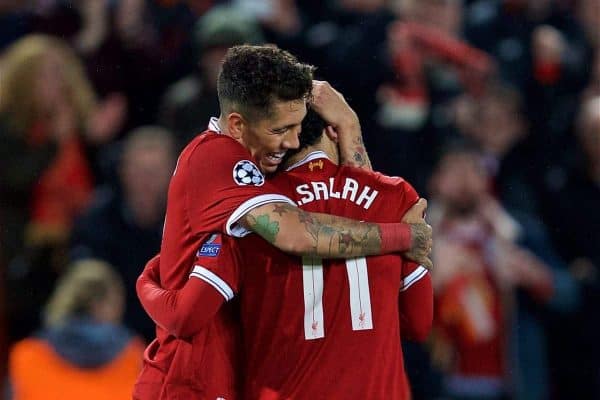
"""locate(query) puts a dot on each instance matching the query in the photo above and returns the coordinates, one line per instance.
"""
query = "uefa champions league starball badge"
(247, 173)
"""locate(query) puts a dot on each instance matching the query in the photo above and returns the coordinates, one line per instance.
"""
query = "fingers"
(330, 104)
(421, 259)
(427, 263)
(416, 213)
(421, 206)
(421, 241)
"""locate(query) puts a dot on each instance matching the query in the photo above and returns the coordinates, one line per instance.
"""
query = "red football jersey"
(291, 307)
(320, 332)
(214, 184)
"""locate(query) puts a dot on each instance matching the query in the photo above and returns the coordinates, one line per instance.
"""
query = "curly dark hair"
(254, 77)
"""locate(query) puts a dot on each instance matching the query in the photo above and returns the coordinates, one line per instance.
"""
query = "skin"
(270, 136)
(334, 237)
(285, 226)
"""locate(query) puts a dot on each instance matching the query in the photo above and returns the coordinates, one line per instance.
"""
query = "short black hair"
(254, 77)
(456, 147)
(312, 128)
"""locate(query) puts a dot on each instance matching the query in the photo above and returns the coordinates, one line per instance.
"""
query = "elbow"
(184, 323)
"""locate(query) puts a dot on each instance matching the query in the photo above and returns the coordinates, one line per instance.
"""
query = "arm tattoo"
(360, 158)
(353, 238)
(279, 209)
(330, 237)
(266, 228)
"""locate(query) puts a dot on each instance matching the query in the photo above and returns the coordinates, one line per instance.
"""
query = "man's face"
(460, 183)
(269, 139)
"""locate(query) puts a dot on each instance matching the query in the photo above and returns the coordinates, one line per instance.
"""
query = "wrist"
(350, 123)
(395, 237)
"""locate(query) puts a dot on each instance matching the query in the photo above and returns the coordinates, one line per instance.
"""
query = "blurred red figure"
(478, 266)
(46, 103)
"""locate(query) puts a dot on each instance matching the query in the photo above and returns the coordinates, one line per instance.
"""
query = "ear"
(331, 133)
(235, 125)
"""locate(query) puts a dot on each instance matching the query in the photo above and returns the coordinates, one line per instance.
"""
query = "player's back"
(322, 332)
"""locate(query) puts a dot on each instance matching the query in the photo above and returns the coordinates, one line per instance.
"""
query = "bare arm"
(345, 126)
(295, 231)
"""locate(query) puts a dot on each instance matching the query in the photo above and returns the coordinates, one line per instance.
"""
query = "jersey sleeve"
(403, 193)
(213, 280)
(218, 263)
(415, 301)
(223, 185)
(408, 196)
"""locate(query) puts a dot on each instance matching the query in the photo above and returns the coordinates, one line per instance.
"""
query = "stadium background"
(491, 108)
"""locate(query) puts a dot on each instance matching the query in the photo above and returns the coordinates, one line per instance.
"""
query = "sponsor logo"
(209, 248)
(247, 173)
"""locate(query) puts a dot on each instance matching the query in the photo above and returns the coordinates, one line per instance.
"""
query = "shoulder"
(211, 147)
(25, 351)
(214, 159)
(379, 180)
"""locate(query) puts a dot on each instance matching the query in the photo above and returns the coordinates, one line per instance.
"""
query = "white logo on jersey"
(246, 173)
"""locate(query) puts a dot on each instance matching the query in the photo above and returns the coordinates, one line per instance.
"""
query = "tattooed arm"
(295, 231)
(356, 155)
(333, 108)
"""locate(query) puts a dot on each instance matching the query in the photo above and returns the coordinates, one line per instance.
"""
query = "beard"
(462, 207)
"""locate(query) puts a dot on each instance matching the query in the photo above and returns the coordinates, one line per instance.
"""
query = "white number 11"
(360, 296)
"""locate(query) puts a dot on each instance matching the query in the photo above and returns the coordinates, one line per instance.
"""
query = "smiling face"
(268, 139)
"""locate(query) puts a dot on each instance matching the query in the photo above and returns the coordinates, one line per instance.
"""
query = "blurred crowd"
(490, 108)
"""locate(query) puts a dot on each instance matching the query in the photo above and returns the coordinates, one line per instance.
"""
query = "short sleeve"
(223, 185)
(218, 264)
(408, 195)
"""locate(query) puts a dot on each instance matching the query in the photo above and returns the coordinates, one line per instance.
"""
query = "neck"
(324, 144)
(223, 124)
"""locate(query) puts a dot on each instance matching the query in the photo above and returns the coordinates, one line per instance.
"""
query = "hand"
(63, 123)
(331, 105)
(107, 119)
(416, 214)
(548, 44)
(421, 235)
(344, 126)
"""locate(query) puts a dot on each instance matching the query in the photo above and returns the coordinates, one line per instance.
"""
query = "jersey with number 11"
(317, 329)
